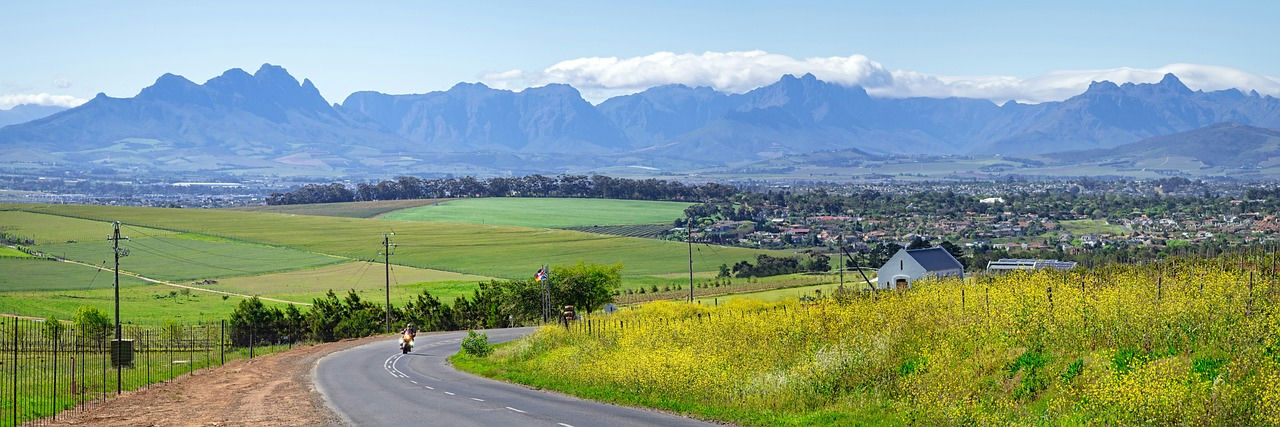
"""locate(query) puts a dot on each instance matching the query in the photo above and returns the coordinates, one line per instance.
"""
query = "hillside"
(1223, 145)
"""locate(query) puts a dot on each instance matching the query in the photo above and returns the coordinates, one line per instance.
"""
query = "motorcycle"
(406, 343)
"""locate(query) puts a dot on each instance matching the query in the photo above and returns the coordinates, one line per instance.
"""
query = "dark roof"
(935, 259)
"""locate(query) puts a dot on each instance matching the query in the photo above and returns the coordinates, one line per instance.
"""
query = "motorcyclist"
(411, 330)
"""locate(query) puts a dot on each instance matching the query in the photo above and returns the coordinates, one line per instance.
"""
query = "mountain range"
(268, 120)
(26, 112)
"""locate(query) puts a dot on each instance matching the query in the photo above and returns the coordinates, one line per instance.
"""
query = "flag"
(542, 274)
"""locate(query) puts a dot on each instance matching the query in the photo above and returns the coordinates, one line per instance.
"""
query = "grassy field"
(8, 252)
(484, 250)
(52, 229)
(31, 274)
(545, 212)
(347, 209)
(184, 258)
(1080, 227)
(366, 278)
(141, 304)
(1112, 346)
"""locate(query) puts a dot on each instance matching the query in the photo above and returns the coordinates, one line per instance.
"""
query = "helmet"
(409, 326)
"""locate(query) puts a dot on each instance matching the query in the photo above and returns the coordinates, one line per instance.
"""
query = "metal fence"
(47, 369)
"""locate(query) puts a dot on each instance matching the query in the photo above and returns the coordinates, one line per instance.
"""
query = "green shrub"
(477, 344)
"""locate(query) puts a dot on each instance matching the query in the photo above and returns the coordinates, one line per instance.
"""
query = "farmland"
(41, 274)
(296, 258)
(343, 209)
(484, 250)
(185, 258)
(545, 212)
(366, 278)
(1191, 341)
(8, 252)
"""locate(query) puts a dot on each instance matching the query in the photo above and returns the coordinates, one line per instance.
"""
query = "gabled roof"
(935, 259)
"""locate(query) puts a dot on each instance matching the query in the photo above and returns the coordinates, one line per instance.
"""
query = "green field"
(140, 304)
(1091, 226)
(484, 250)
(8, 252)
(46, 229)
(183, 258)
(33, 274)
(366, 278)
(346, 209)
(545, 212)
(298, 258)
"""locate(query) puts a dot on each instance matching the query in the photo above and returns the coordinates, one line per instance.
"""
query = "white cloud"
(9, 101)
(601, 77)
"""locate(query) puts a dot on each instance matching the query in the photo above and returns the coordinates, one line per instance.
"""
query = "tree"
(957, 252)
(92, 322)
(585, 286)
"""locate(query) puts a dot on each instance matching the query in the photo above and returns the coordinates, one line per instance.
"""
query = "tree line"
(494, 304)
(575, 186)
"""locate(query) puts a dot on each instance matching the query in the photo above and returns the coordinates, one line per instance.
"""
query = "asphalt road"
(377, 386)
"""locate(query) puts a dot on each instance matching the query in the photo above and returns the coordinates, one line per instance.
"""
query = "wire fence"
(49, 370)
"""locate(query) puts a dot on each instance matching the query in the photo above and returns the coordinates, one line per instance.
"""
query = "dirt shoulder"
(274, 390)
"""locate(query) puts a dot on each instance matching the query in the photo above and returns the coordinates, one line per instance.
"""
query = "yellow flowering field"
(1184, 341)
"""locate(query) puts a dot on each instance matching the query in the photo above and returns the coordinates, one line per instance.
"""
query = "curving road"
(375, 385)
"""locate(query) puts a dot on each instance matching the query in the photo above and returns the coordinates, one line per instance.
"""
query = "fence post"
(222, 343)
(14, 390)
(57, 339)
(251, 340)
(146, 338)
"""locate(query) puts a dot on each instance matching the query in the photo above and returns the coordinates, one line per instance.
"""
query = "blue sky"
(77, 49)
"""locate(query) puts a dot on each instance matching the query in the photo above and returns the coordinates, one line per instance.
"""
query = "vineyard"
(648, 231)
(1184, 341)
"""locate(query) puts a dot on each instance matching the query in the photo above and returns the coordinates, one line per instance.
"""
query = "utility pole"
(118, 252)
(386, 264)
(689, 239)
(840, 242)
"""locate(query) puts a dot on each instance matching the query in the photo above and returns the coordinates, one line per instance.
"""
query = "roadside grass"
(484, 250)
(521, 374)
(344, 209)
(139, 304)
(1080, 227)
(546, 212)
(34, 274)
(1103, 346)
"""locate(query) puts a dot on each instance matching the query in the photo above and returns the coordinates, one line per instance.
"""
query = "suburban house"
(906, 266)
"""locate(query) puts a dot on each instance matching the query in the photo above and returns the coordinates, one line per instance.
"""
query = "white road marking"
(450, 393)
(517, 410)
(565, 425)
(429, 387)
(412, 381)
(478, 400)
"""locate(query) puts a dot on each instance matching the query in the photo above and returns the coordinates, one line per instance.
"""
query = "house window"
(900, 265)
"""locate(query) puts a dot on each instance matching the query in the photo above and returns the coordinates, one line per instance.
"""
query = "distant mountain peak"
(1102, 86)
(1171, 82)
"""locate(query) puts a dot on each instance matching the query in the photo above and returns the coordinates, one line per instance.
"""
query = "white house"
(906, 266)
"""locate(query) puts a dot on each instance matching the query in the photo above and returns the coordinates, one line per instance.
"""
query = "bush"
(92, 322)
(476, 344)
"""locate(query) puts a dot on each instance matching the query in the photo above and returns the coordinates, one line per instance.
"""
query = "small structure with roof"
(907, 266)
(1009, 264)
